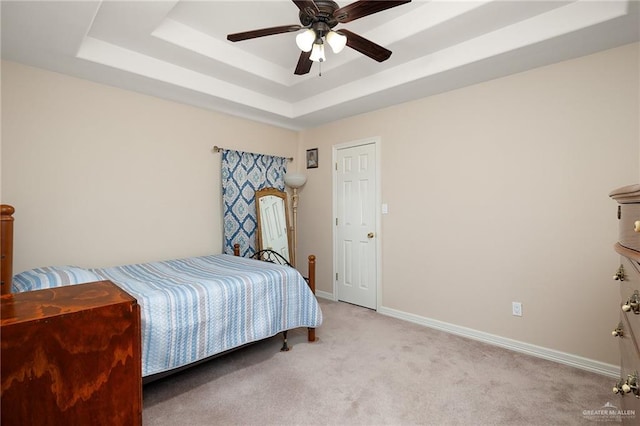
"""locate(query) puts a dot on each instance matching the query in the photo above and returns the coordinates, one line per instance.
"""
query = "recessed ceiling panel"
(178, 49)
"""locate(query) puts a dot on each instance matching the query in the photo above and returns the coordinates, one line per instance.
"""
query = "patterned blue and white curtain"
(242, 174)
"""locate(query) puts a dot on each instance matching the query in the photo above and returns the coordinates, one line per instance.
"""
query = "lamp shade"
(336, 41)
(305, 40)
(317, 53)
(295, 180)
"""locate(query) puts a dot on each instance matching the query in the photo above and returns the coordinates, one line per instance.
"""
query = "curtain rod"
(218, 149)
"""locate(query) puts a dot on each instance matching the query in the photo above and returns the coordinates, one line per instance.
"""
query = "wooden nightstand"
(71, 355)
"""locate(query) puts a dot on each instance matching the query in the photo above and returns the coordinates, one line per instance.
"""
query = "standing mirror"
(272, 211)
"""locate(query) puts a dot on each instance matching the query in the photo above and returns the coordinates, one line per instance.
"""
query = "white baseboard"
(576, 361)
(325, 295)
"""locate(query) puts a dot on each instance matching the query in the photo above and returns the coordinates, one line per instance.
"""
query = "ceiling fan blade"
(263, 32)
(307, 6)
(304, 63)
(363, 8)
(366, 47)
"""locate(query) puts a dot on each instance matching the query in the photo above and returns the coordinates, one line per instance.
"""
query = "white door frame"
(376, 141)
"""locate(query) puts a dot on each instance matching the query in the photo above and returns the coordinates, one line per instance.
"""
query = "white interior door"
(356, 227)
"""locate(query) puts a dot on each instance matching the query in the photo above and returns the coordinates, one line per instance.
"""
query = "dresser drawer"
(629, 285)
(630, 366)
(629, 278)
(629, 348)
(629, 229)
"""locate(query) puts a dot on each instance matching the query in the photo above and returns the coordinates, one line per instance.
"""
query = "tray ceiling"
(178, 50)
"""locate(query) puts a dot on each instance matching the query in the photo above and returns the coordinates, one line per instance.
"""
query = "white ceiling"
(178, 50)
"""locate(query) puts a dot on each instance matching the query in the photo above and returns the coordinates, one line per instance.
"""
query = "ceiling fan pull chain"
(320, 69)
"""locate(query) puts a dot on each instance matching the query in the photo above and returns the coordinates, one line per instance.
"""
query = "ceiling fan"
(318, 18)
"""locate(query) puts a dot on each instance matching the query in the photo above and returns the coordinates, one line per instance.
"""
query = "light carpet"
(369, 369)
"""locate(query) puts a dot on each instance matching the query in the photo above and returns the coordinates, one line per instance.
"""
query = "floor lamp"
(294, 181)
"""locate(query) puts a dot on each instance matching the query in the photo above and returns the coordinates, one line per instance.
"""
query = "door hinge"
(336, 276)
(336, 221)
(336, 165)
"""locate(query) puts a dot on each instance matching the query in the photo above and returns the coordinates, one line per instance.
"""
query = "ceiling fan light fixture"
(305, 40)
(337, 41)
(317, 53)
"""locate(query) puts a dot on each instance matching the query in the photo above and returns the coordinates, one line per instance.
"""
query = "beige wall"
(498, 192)
(102, 176)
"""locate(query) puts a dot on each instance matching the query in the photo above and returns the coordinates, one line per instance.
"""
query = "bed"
(195, 308)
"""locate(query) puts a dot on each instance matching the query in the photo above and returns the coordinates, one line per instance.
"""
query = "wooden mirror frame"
(264, 192)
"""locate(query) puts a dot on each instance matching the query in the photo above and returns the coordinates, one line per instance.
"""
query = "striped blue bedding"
(197, 307)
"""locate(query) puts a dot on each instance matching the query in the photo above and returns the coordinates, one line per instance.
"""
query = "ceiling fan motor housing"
(326, 8)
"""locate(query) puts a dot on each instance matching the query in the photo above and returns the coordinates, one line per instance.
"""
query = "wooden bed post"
(236, 249)
(6, 263)
(312, 273)
(312, 284)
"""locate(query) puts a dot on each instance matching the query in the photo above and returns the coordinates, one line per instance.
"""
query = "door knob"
(636, 226)
(370, 235)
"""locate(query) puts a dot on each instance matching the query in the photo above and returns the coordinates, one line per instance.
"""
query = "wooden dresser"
(71, 356)
(628, 275)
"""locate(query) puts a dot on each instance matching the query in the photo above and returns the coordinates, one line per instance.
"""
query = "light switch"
(385, 208)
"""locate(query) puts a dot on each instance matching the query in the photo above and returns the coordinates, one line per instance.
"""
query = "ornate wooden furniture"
(71, 356)
(628, 275)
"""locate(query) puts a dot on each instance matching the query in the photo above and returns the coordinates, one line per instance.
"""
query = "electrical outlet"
(516, 309)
